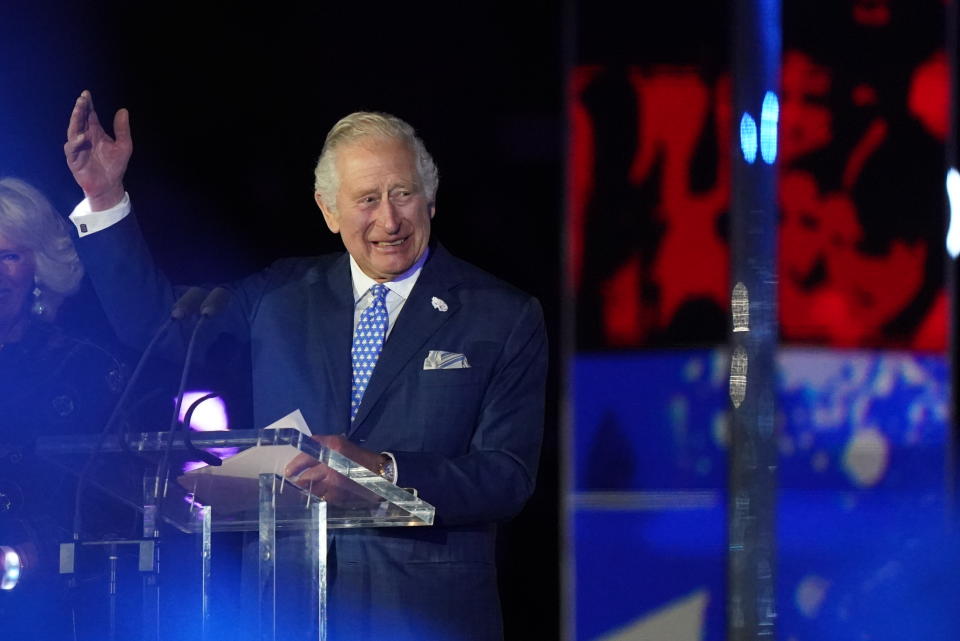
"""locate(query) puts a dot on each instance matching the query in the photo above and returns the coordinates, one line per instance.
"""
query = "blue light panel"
(769, 117)
(748, 138)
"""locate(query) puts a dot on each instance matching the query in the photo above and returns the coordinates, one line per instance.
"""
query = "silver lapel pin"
(439, 304)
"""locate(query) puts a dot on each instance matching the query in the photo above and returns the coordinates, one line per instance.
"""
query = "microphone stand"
(185, 306)
(212, 305)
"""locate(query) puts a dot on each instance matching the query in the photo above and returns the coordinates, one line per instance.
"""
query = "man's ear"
(332, 220)
(433, 209)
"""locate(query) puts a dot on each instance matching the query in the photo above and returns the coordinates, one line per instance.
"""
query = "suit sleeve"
(137, 297)
(494, 479)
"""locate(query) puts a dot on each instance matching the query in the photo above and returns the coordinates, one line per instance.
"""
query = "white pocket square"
(439, 359)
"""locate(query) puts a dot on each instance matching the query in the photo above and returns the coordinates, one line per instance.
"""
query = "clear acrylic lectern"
(247, 493)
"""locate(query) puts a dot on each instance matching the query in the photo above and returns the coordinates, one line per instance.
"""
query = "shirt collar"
(401, 285)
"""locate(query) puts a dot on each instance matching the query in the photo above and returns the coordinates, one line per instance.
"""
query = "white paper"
(253, 462)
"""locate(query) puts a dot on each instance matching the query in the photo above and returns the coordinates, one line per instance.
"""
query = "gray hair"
(370, 124)
(28, 219)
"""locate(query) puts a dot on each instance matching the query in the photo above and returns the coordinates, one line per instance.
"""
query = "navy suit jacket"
(467, 439)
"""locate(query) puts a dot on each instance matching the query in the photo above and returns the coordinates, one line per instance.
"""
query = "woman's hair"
(28, 219)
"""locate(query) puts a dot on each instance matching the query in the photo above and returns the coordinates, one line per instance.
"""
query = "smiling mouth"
(389, 243)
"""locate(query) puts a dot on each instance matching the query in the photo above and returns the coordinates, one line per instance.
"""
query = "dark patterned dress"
(51, 383)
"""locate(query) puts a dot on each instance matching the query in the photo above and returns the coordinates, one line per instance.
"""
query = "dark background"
(229, 106)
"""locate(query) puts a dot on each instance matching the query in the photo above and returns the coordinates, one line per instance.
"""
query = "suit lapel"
(418, 321)
(331, 316)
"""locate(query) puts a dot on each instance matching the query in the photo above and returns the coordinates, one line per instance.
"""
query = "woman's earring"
(38, 308)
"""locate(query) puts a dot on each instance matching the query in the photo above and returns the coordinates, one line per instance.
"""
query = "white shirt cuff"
(90, 222)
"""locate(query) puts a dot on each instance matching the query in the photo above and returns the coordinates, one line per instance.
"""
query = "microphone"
(215, 301)
(212, 304)
(187, 305)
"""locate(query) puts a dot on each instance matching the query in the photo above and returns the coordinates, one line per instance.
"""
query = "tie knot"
(379, 292)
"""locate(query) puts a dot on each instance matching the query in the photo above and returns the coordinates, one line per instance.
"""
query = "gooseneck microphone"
(214, 303)
(187, 305)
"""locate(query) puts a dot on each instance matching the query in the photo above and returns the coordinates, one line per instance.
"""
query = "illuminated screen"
(862, 124)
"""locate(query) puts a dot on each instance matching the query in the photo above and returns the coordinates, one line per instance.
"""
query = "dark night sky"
(229, 107)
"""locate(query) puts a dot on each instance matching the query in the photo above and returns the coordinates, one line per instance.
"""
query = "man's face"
(382, 214)
(16, 280)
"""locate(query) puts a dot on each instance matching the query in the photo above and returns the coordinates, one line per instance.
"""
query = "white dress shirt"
(398, 290)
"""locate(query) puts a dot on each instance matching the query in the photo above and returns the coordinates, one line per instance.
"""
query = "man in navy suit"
(454, 405)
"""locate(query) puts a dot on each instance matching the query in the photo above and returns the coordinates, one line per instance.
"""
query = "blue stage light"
(769, 117)
(10, 568)
(748, 138)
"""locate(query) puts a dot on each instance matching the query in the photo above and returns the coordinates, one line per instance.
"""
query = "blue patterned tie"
(367, 343)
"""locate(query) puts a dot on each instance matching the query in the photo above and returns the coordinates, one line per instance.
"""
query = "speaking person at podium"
(406, 359)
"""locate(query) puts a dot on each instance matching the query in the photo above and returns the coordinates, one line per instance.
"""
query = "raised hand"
(97, 161)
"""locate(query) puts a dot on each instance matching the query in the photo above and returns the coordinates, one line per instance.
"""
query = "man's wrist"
(107, 200)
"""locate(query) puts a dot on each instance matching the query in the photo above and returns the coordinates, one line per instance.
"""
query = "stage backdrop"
(863, 119)
(862, 379)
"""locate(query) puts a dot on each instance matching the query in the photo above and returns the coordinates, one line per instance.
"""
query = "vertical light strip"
(953, 199)
(769, 120)
(748, 138)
